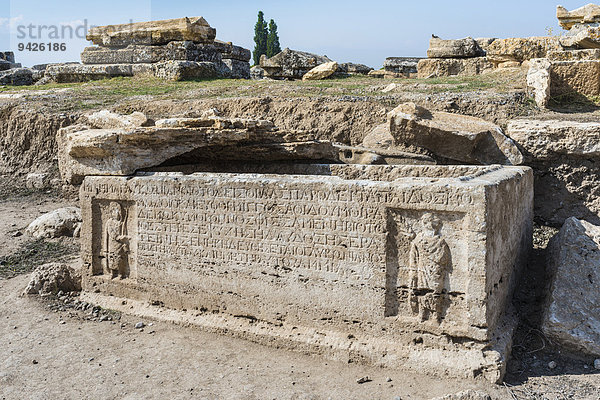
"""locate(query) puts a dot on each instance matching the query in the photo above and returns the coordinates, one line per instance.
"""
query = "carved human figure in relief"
(116, 242)
(429, 260)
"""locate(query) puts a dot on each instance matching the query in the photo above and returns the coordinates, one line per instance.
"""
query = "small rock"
(597, 363)
(388, 379)
(34, 362)
(62, 322)
(139, 325)
(552, 364)
(17, 234)
(104, 318)
(364, 379)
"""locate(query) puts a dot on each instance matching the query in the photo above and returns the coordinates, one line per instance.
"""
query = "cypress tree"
(260, 38)
(273, 46)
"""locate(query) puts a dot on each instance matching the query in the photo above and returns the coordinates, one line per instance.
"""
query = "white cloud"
(10, 23)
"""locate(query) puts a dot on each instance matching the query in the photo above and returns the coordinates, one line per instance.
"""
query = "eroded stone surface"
(388, 264)
(401, 65)
(453, 136)
(521, 49)
(52, 278)
(122, 151)
(589, 13)
(572, 317)
(466, 395)
(290, 64)
(582, 37)
(439, 67)
(454, 48)
(321, 71)
(194, 29)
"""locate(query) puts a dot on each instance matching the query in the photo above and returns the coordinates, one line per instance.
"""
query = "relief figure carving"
(116, 242)
(429, 262)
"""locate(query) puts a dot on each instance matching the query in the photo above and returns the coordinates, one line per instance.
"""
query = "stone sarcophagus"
(401, 266)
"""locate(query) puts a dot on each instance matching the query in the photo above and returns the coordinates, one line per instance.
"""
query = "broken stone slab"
(574, 55)
(17, 77)
(572, 318)
(39, 180)
(322, 71)
(440, 67)
(453, 136)
(587, 14)
(354, 69)
(52, 278)
(538, 81)
(194, 29)
(62, 222)
(379, 156)
(5, 65)
(328, 253)
(170, 70)
(484, 43)
(290, 64)
(454, 48)
(553, 139)
(105, 119)
(402, 65)
(122, 151)
(582, 37)
(378, 73)
(521, 49)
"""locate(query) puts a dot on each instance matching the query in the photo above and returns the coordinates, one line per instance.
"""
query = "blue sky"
(349, 30)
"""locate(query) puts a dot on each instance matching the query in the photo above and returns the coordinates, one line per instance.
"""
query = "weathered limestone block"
(139, 54)
(453, 136)
(7, 56)
(235, 69)
(552, 79)
(322, 71)
(122, 151)
(379, 156)
(230, 51)
(572, 317)
(405, 267)
(484, 43)
(553, 139)
(106, 119)
(402, 65)
(17, 77)
(354, 69)
(194, 29)
(582, 37)
(61, 222)
(171, 70)
(439, 67)
(574, 55)
(538, 81)
(565, 156)
(454, 48)
(257, 73)
(5, 65)
(521, 49)
(378, 73)
(290, 64)
(584, 15)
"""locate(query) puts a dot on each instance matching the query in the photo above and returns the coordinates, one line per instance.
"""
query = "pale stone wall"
(406, 258)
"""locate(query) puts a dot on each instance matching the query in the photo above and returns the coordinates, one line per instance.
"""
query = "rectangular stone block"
(138, 54)
(575, 77)
(402, 266)
(439, 67)
(194, 29)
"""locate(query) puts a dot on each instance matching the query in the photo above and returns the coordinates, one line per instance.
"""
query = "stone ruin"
(574, 70)
(7, 61)
(271, 235)
(176, 49)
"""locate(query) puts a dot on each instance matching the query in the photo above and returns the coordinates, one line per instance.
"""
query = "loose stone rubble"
(452, 136)
(572, 318)
(62, 222)
(52, 278)
(384, 264)
(178, 49)
(466, 395)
